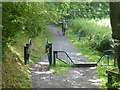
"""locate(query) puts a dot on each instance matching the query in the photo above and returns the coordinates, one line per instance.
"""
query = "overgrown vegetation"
(14, 72)
(91, 34)
(30, 17)
(94, 40)
(88, 10)
(21, 21)
(24, 20)
(21, 17)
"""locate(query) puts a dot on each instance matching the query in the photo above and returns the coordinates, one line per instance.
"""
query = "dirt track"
(83, 77)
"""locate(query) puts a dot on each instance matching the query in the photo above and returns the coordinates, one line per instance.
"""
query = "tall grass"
(91, 34)
(94, 40)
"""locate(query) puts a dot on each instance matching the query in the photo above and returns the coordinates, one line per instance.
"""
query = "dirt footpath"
(82, 77)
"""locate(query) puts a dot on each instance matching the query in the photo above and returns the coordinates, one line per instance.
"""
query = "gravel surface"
(82, 77)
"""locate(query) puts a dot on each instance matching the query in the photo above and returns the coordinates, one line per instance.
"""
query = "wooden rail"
(110, 81)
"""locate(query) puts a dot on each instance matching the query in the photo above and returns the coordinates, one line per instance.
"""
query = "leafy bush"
(31, 17)
(91, 10)
(24, 17)
(94, 36)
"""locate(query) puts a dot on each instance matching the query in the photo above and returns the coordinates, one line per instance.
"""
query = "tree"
(115, 24)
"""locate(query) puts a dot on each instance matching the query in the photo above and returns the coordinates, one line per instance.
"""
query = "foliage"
(91, 34)
(22, 20)
(15, 73)
(89, 28)
(23, 17)
(89, 10)
(31, 17)
(116, 79)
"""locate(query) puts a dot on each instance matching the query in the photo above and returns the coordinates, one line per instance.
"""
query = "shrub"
(95, 36)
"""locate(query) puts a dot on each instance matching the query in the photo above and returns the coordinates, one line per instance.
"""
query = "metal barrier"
(85, 64)
(108, 53)
(55, 55)
(48, 50)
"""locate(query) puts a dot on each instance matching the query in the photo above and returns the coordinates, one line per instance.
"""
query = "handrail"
(62, 61)
(107, 52)
(67, 55)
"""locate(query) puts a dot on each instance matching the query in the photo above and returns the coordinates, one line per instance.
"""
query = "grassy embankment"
(14, 73)
(94, 40)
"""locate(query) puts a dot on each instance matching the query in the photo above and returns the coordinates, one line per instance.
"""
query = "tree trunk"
(115, 24)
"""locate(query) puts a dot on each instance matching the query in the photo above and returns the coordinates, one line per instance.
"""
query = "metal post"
(50, 53)
(25, 60)
(108, 59)
(54, 57)
(26, 54)
(57, 55)
(48, 50)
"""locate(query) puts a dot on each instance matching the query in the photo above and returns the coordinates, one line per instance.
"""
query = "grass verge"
(92, 39)
(14, 73)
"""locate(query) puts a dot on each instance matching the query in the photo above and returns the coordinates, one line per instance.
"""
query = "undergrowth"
(93, 41)
(91, 34)
(15, 74)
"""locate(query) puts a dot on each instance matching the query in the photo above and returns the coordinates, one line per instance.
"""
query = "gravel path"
(82, 77)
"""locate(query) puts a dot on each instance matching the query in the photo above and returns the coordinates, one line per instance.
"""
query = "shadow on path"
(82, 77)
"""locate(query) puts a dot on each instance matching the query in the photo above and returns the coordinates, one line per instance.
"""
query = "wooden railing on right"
(113, 76)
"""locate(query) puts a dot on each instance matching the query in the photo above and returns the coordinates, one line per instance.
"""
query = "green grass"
(92, 34)
(60, 68)
(14, 72)
(38, 45)
(85, 44)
